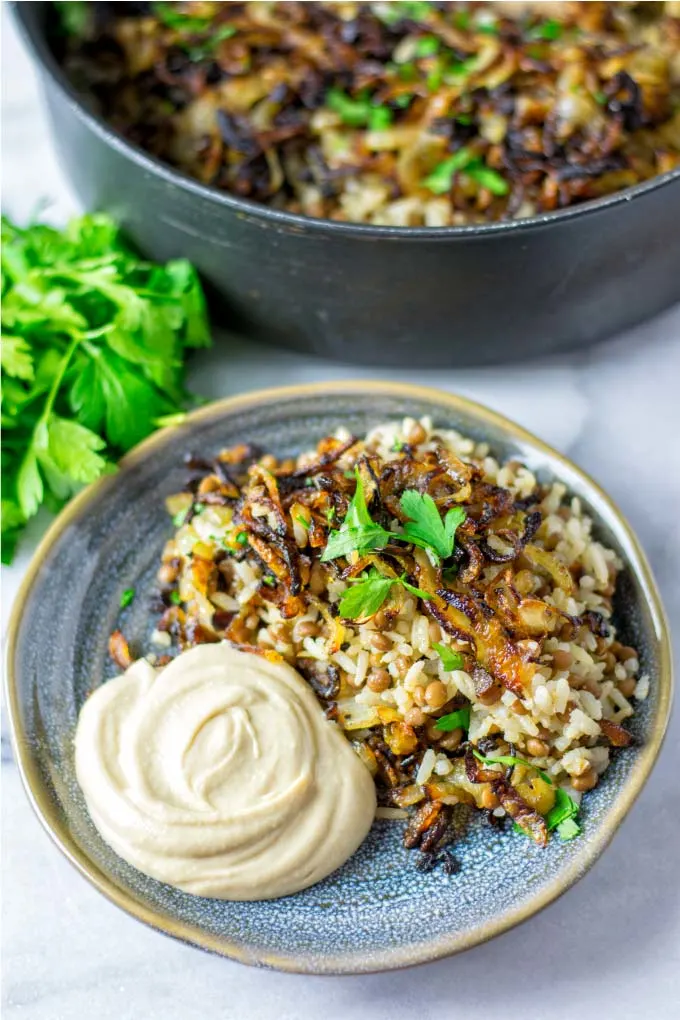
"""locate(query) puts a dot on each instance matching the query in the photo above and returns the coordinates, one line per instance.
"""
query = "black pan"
(379, 295)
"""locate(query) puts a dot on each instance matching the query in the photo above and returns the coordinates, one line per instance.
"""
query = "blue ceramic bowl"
(377, 911)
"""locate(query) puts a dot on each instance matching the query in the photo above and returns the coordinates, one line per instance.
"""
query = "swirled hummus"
(221, 775)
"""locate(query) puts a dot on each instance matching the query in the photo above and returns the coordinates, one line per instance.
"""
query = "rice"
(387, 682)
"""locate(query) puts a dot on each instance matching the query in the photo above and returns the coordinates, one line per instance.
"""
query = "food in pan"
(398, 114)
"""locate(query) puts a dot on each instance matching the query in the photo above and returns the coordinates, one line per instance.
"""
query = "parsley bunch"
(92, 357)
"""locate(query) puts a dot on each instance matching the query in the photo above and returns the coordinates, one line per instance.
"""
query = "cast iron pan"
(379, 295)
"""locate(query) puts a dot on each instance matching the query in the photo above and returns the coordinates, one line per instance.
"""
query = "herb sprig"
(368, 593)
(93, 346)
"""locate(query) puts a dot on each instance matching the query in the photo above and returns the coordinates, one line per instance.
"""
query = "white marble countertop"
(611, 947)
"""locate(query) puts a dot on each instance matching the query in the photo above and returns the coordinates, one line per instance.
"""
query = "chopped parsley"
(368, 592)
(546, 31)
(403, 100)
(439, 181)
(175, 597)
(511, 759)
(460, 719)
(426, 527)
(242, 538)
(561, 817)
(392, 13)
(179, 518)
(487, 28)
(302, 521)
(127, 597)
(269, 581)
(450, 660)
(488, 178)
(600, 98)
(179, 20)
(427, 46)
(359, 112)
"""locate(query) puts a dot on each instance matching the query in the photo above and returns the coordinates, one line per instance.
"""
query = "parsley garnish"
(547, 31)
(450, 660)
(127, 597)
(427, 46)
(242, 538)
(179, 20)
(74, 17)
(269, 581)
(561, 817)
(92, 357)
(359, 112)
(358, 532)
(488, 178)
(368, 592)
(511, 759)
(487, 28)
(179, 518)
(392, 13)
(426, 527)
(175, 597)
(460, 719)
(439, 181)
(302, 521)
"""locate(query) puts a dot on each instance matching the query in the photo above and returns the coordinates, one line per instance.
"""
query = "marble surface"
(611, 947)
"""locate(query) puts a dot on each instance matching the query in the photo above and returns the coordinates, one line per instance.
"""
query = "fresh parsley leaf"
(427, 46)
(127, 597)
(510, 759)
(74, 16)
(563, 809)
(488, 28)
(426, 527)
(548, 31)
(16, 358)
(358, 532)
(568, 829)
(366, 596)
(302, 521)
(242, 538)
(380, 118)
(450, 660)
(175, 597)
(488, 178)
(269, 581)
(92, 355)
(171, 17)
(460, 719)
(439, 181)
(392, 13)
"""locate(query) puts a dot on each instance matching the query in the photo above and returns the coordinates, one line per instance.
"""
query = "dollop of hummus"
(221, 775)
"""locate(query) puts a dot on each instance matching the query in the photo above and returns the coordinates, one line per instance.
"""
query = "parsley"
(547, 31)
(403, 100)
(397, 446)
(426, 527)
(568, 829)
(380, 118)
(461, 20)
(359, 112)
(488, 178)
(407, 71)
(179, 519)
(460, 719)
(463, 118)
(204, 50)
(330, 513)
(92, 356)
(179, 20)
(176, 598)
(439, 181)
(74, 17)
(127, 597)
(427, 46)
(368, 592)
(302, 521)
(392, 13)
(488, 28)
(435, 78)
(561, 817)
(600, 98)
(510, 759)
(358, 532)
(269, 581)
(242, 538)
(450, 660)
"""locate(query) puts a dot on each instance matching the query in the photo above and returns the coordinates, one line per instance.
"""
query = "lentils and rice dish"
(398, 114)
(451, 613)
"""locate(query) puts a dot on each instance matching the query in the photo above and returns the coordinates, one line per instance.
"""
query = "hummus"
(221, 775)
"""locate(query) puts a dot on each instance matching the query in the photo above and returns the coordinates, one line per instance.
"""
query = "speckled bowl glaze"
(377, 912)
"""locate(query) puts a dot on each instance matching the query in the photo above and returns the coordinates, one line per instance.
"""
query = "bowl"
(378, 295)
(378, 911)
